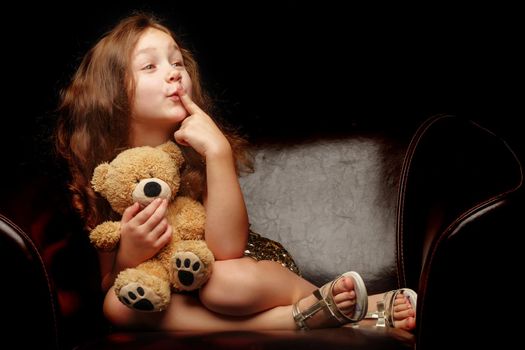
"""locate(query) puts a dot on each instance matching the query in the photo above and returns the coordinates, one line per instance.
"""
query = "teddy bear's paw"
(139, 297)
(188, 273)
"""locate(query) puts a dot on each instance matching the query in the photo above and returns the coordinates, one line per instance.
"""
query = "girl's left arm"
(226, 214)
(226, 230)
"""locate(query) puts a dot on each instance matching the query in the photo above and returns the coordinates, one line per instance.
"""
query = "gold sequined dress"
(262, 248)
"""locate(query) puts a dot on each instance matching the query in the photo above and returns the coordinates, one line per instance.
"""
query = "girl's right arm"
(142, 234)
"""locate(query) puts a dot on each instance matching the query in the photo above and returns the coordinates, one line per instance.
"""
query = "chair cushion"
(331, 203)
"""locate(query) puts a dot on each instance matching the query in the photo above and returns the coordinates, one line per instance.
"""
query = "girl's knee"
(228, 274)
(232, 286)
(115, 312)
(120, 315)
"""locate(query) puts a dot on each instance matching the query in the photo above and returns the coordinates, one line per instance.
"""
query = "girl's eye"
(177, 64)
(149, 66)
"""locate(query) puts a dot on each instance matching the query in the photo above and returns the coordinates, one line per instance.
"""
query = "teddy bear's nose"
(152, 189)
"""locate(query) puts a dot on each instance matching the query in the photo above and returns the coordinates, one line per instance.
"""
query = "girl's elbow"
(229, 253)
(228, 256)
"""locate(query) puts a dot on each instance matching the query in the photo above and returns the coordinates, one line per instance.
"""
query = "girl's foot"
(404, 314)
(344, 297)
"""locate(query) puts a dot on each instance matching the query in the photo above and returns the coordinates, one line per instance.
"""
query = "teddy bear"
(142, 174)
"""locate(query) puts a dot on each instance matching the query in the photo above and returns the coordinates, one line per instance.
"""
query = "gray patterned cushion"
(331, 203)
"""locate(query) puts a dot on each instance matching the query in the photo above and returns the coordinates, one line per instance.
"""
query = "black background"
(280, 68)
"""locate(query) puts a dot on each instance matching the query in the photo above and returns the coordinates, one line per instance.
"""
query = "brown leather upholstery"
(459, 224)
(28, 304)
(347, 338)
(452, 168)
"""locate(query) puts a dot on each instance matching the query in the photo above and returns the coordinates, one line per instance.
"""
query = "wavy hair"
(94, 116)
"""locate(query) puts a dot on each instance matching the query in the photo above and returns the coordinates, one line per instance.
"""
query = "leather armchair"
(425, 211)
(460, 218)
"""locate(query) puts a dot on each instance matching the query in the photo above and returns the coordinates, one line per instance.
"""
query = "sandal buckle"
(381, 322)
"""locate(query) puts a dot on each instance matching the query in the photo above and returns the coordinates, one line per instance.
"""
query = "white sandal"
(326, 301)
(385, 307)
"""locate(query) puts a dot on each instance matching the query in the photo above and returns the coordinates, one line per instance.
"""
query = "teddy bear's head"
(139, 174)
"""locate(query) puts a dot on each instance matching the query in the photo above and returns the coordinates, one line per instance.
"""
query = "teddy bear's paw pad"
(187, 270)
(140, 298)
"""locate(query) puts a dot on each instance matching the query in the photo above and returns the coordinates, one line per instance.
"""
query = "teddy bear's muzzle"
(149, 189)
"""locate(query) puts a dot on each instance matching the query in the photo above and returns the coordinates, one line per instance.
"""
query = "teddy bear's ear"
(173, 150)
(99, 177)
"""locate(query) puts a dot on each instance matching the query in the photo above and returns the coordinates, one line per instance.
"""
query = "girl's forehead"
(153, 38)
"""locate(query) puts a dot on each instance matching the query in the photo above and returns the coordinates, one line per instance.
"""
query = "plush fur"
(142, 174)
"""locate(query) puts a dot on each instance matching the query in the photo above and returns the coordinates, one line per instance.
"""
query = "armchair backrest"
(459, 208)
(28, 307)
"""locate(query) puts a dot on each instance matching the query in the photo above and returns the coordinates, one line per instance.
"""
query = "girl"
(137, 86)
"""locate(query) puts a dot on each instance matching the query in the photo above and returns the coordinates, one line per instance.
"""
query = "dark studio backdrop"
(281, 68)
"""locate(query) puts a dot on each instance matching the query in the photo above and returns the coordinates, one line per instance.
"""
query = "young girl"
(138, 86)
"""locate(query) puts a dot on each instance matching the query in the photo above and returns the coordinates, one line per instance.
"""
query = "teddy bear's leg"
(144, 288)
(191, 265)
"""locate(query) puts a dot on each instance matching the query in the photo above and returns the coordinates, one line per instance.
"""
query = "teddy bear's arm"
(106, 236)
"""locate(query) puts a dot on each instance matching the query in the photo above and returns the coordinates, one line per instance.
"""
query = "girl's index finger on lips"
(188, 103)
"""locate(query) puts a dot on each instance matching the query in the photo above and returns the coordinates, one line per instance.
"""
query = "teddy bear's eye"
(137, 180)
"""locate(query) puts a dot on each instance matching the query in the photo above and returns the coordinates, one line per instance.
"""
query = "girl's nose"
(174, 75)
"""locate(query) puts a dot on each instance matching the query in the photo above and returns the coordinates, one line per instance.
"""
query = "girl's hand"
(142, 233)
(199, 131)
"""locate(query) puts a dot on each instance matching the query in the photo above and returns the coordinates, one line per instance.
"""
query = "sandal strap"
(328, 303)
(389, 299)
(325, 300)
(381, 319)
(299, 318)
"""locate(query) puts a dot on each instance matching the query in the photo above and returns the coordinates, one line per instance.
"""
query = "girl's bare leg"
(186, 312)
(267, 284)
(267, 291)
(244, 294)
(244, 286)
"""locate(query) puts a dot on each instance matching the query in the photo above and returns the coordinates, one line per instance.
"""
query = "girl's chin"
(178, 114)
(175, 118)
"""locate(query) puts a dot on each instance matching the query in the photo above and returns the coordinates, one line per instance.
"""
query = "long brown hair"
(94, 116)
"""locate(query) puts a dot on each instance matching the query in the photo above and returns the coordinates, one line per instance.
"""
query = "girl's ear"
(174, 151)
(99, 177)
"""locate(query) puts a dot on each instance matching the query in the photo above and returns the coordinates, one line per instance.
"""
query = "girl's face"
(158, 71)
